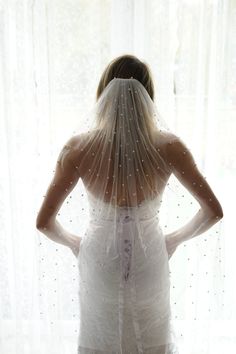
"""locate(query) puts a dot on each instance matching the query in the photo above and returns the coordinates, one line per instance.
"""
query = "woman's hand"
(171, 244)
(75, 245)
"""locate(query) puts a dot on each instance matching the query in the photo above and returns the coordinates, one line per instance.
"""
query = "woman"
(125, 160)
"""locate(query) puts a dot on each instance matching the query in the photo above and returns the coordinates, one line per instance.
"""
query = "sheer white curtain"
(52, 55)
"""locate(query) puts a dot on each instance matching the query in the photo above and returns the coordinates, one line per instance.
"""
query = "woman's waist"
(123, 214)
(123, 217)
(124, 220)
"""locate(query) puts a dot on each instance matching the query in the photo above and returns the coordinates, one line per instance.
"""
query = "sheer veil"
(119, 158)
(121, 154)
(122, 157)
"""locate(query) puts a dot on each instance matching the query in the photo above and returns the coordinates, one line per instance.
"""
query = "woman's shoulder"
(73, 146)
(77, 140)
(80, 143)
(165, 138)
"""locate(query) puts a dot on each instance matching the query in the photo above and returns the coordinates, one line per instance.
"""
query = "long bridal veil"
(121, 153)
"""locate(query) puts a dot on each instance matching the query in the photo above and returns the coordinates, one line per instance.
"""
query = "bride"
(125, 159)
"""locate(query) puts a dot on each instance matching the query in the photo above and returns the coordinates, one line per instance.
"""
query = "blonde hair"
(126, 66)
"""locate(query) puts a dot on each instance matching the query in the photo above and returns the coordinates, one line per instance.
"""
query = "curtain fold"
(52, 56)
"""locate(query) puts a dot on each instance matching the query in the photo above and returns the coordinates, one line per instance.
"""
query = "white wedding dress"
(124, 284)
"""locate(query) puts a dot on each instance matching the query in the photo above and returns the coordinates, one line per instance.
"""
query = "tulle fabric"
(124, 284)
(122, 157)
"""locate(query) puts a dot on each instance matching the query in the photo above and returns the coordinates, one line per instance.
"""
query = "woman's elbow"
(213, 212)
(218, 213)
(41, 224)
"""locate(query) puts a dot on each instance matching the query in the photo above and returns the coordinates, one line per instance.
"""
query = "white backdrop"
(52, 56)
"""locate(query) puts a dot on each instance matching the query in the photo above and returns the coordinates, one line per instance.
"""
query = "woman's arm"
(185, 169)
(64, 180)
